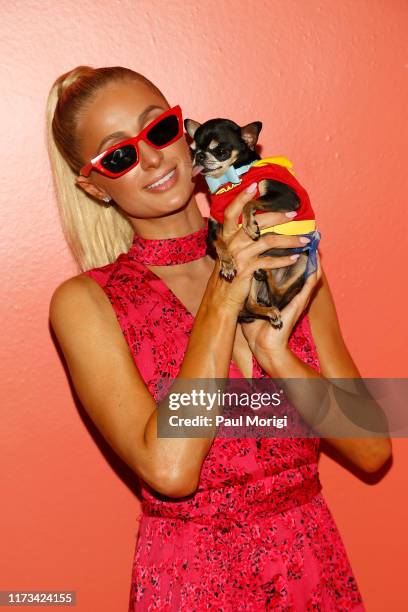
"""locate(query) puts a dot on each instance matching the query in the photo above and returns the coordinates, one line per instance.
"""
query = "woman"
(229, 524)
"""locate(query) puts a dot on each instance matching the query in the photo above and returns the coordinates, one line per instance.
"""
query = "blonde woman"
(227, 523)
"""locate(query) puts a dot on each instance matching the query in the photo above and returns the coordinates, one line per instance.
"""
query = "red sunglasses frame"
(95, 163)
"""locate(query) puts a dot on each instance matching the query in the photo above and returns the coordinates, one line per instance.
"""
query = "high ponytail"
(95, 232)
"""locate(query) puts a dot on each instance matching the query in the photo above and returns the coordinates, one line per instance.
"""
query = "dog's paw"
(228, 269)
(275, 320)
(260, 275)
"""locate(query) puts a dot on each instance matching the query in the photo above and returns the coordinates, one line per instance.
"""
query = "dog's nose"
(200, 157)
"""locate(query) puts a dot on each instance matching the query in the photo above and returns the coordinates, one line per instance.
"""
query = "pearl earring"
(106, 198)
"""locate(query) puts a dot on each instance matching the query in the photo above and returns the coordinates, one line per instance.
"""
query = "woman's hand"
(267, 342)
(246, 253)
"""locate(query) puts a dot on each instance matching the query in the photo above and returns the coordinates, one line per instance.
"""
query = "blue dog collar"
(230, 176)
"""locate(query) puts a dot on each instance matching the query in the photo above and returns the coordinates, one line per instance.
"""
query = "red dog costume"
(278, 169)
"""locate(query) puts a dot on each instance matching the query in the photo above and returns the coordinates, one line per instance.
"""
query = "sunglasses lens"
(164, 131)
(120, 159)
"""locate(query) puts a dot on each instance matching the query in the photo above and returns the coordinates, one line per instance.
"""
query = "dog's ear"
(191, 126)
(250, 133)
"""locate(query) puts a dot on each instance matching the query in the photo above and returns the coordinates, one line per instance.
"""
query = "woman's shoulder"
(85, 282)
(102, 282)
(75, 294)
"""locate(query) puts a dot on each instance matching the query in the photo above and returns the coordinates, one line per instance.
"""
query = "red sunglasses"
(122, 157)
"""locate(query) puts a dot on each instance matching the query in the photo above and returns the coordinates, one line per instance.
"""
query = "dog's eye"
(223, 151)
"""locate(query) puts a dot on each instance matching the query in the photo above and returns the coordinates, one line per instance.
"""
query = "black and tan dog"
(224, 153)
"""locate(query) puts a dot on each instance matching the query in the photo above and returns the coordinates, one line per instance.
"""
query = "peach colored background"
(328, 79)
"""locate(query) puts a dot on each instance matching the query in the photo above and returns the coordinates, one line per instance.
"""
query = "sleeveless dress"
(257, 533)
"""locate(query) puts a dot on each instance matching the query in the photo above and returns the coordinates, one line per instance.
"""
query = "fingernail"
(294, 256)
(291, 214)
(304, 240)
(252, 187)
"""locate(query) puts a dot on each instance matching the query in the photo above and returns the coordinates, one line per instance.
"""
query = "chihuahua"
(224, 153)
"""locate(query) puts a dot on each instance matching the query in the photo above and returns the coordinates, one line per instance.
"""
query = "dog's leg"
(284, 283)
(228, 267)
(274, 197)
(253, 307)
(216, 243)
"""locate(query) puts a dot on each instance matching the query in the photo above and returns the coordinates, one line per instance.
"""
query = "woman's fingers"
(273, 241)
(319, 266)
(249, 254)
(271, 263)
(234, 209)
(269, 219)
(240, 242)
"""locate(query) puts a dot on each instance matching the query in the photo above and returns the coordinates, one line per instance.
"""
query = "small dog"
(224, 153)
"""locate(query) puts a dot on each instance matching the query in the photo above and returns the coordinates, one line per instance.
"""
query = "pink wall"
(328, 79)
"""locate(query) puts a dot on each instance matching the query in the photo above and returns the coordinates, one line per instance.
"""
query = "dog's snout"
(200, 157)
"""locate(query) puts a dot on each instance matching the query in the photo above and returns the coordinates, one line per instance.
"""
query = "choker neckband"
(170, 251)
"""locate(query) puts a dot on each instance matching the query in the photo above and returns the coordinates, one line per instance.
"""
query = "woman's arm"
(335, 359)
(111, 387)
(113, 392)
(335, 362)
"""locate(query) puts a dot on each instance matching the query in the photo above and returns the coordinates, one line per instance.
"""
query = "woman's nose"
(149, 157)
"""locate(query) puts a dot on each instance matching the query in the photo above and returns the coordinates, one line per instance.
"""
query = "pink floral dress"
(257, 534)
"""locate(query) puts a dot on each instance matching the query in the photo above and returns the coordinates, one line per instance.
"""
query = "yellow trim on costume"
(291, 228)
(227, 188)
(280, 160)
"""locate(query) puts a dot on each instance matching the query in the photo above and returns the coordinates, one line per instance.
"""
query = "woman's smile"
(164, 181)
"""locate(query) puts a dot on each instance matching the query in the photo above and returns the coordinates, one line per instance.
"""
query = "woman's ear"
(91, 189)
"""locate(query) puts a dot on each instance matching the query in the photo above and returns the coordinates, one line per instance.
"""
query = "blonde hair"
(95, 232)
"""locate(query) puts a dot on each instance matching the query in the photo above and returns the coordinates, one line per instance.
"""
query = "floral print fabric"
(257, 534)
